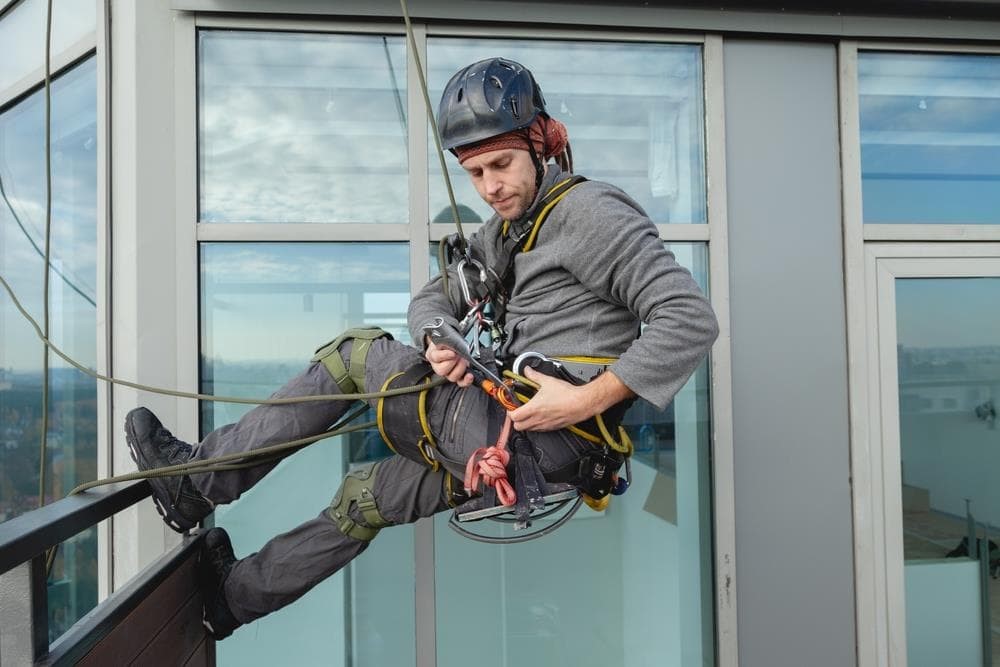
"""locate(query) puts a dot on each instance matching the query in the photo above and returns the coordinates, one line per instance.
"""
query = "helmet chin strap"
(537, 161)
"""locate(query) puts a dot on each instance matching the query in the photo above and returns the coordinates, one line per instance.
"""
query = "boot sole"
(161, 499)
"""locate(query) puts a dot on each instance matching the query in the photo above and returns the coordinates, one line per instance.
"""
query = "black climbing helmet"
(486, 99)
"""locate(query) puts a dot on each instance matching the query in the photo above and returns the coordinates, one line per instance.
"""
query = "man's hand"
(447, 363)
(558, 404)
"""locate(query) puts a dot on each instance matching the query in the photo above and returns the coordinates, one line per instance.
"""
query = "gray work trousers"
(292, 563)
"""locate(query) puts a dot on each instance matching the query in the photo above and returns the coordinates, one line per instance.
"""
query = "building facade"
(235, 182)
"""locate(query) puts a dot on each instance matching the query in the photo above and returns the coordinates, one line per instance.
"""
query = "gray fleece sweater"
(598, 269)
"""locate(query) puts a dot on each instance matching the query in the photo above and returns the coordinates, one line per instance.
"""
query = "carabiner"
(464, 282)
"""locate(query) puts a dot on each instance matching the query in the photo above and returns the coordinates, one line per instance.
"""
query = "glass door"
(939, 354)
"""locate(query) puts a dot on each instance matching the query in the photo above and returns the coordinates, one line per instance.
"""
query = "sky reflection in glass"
(930, 138)
(71, 447)
(301, 127)
(634, 113)
(266, 307)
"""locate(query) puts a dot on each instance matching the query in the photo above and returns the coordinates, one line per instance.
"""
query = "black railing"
(24, 541)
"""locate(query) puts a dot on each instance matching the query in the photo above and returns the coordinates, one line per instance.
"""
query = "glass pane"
(265, 308)
(634, 114)
(629, 586)
(22, 33)
(930, 138)
(301, 127)
(71, 449)
(949, 390)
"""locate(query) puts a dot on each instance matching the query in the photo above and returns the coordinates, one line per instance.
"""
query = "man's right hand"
(447, 363)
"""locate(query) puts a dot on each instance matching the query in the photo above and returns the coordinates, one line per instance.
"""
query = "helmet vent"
(496, 81)
(460, 94)
(513, 107)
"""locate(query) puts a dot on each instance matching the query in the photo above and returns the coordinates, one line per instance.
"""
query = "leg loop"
(350, 379)
(406, 436)
(358, 489)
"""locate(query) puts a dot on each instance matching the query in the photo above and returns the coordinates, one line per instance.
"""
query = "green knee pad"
(350, 380)
(358, 487)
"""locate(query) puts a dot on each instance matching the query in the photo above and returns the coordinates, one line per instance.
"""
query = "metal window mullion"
(583, 35)
(62, 61)
(186, 218)
(105, 282)
(693, 232)
(425, 615)
(929, 47)
(870, 610)
(252, 232)
(277, 23)
(931, 232)
(723, 465)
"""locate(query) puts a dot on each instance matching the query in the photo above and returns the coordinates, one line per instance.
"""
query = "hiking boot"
(214, 563)
(153, 446)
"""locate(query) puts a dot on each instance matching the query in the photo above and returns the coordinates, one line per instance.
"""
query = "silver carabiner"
(524, 356)
(463, 281)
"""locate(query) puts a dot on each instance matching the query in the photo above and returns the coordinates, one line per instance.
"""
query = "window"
(645, 562)
(326, 114)
(302, 127)
(634, 114)
(265, 308)
(71, 451)
(930, 137)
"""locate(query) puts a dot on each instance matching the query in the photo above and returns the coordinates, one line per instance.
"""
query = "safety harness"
(487, 289)
(488, 493)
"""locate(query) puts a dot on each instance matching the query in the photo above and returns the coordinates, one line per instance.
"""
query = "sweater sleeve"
(431, 301)
(614, 250)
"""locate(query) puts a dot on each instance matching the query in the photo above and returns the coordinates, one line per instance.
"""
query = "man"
(578, 285)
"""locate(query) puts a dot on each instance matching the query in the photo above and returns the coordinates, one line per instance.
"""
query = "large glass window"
(326, 114)
(949, 389)
(930, 137)
(631, 585)
(301, 127)
(265, 308)
(634, 113)
(71, 450)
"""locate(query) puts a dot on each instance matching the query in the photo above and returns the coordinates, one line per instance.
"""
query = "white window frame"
(874, 255)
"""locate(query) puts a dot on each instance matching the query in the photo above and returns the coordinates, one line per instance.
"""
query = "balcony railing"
(155, 617)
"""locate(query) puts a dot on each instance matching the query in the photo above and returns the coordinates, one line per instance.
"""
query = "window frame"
(190, 233)
(869, 253)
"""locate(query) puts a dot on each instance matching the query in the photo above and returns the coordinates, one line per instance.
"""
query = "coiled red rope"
(490, 463)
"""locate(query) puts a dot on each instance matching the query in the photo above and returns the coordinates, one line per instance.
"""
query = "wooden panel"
(172, 645)
(203, 655)
(146, 623)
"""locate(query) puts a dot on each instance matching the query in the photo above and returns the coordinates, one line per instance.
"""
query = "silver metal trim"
(723, 459)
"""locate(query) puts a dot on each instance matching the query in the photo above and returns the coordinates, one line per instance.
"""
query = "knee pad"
(358, 489)
(350, 377)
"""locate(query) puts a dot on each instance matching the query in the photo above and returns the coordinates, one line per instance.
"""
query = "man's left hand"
(558, 404)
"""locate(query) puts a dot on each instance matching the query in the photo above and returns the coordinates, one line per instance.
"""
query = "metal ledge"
(29, 535)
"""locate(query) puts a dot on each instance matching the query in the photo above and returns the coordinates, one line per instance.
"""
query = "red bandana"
(548, 138)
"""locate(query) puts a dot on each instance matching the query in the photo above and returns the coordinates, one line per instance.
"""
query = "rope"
(43, 444)
(434, 127)
(490, 463)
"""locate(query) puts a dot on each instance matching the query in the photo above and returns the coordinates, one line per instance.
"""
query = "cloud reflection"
(302, 128)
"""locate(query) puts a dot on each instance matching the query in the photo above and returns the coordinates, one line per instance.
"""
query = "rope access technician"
(558, 282)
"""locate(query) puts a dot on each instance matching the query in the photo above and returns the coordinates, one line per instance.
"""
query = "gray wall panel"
(793, 506)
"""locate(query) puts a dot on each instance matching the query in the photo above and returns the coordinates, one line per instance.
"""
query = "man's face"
(505, 179)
